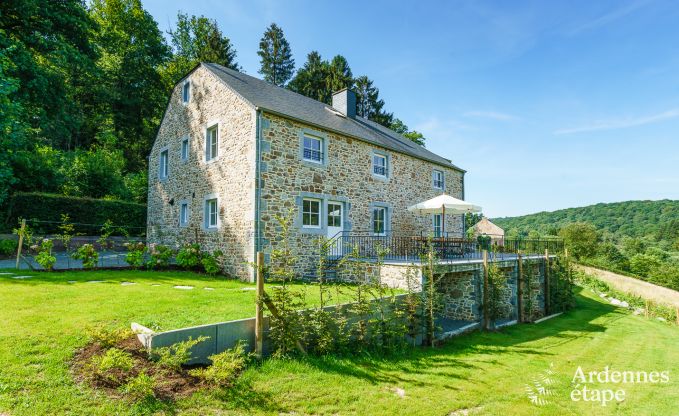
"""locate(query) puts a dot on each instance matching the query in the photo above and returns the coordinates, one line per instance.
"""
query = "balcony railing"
(313, 155)
(407, 247)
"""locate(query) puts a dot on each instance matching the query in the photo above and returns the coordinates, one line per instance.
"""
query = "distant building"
(485, 227)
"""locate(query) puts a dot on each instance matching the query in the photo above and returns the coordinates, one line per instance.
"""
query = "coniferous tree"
(311, 79)
(339, 74)
(275, 54)
(197, 39)
(368, 102)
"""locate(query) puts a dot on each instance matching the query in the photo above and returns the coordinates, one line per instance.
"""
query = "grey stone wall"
(461, 295)
(231, 177)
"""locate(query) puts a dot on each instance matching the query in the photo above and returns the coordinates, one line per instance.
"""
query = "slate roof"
(281, 101)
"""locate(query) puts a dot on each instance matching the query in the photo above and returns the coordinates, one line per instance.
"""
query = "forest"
(83, 87)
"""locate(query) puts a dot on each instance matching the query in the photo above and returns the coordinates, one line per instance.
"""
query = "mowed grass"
(487, 373)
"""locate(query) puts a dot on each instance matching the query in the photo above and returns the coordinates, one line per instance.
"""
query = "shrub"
(160, 256)
(580, 238)
(44, 256)
(642, 264)
(210, 262)
(176, 355)
(189, 256)
(139, 388)
(135, 254)
(8, 247)
(88, 255)
(49, 207)
(225, 366)
(112, 366)
(108, 337)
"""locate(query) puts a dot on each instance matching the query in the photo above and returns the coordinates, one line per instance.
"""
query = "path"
(634, 286)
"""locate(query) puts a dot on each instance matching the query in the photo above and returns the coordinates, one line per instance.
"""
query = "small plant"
(8, 247)
(67, 229)
(225, 366)
(160, 256)
(44, 256)
(189, 256)
(176, 355)
(105, 233)
(140, 388)
(112, 366)
(88, 254)
(135, 254)
(108, 337)
(210, 262)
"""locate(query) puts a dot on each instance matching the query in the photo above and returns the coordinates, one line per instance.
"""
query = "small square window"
(211, 213)
(379, 220)
(313, 149)
(380, 165)
(311, 213)
(164, 164)
(185, 149)
(186, 92)
(437, 177)
(212, 143)
(184, 214)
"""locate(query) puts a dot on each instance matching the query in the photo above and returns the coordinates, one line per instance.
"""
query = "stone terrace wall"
(231, 177)
(347, 178)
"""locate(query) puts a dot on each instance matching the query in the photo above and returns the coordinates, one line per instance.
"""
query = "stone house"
(234, 153)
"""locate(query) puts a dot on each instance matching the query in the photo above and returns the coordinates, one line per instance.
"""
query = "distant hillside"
(659, 219)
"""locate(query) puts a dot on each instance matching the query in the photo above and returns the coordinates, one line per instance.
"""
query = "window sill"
(211, 161)
(313, 230)
(382, 178)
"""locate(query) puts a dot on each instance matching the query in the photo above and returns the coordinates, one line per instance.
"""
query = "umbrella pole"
(443, 222)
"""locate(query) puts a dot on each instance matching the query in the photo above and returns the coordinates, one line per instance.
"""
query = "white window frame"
(437, 224)
(329, 215)
(309, 212)
(434, 180)
(209, 156)
(185, 145)
(183, 222)
(375, 166)
(311, 150)
(384, 220)
(207, 213)
(164, 164)
(186, 92)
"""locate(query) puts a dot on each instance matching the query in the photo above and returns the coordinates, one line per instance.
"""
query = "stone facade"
(230, 178)
(345, 177)
(461, 295)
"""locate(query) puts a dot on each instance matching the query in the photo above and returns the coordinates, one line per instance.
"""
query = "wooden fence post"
(676, 314)
(486, 321)
(259, 315)
(519, 288)
(21, 241)
(547, 288)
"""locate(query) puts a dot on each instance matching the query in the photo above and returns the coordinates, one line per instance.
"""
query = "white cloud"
(622, 123)
(608, 17)
(493, 115)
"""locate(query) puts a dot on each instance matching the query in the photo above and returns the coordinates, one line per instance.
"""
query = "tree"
(132, 51)
(12, 126)
(339, 75)
(581, 239)
(399, 127)
(368, 103)
(195, 40)
(275, 55)
(310, 79)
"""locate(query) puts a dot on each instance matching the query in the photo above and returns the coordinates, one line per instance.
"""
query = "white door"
(335, 224)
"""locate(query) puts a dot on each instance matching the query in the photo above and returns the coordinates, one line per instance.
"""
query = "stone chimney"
(344, 101)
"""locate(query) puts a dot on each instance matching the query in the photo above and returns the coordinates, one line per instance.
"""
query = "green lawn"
(42, 319)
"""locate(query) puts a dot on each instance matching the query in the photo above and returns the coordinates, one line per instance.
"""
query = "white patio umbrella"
(443, 204)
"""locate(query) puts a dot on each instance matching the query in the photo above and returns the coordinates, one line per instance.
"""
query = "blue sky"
(546, 104)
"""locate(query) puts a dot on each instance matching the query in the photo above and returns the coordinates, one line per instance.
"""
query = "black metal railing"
(409, 247)
(380, 170)
(313, 155)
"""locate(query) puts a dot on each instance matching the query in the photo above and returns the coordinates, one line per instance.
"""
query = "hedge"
(49, 207)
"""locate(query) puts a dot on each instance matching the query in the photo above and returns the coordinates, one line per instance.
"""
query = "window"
(379, 220)
(436, 221)
(380, 165)
(184, 214)
(212, 143)
(311, 213)
(211, 213)
(185, 149)
(313, 149)
(164, 164)
(437, 177)
(186, 92)
(334, 214)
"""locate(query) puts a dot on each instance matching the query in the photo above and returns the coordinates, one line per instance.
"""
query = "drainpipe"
(258, 179)
(464, 216)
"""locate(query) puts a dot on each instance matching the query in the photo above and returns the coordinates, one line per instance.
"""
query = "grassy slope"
(632, 218)
(40, 330)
